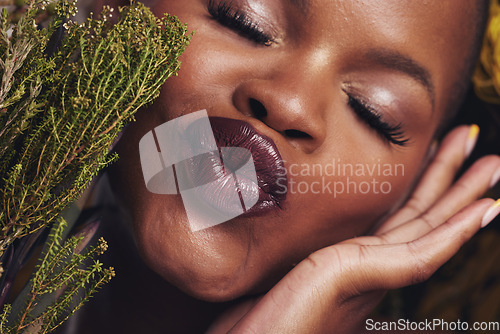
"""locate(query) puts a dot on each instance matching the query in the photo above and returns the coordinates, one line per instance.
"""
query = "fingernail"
(492, 212)
(431, 152)
(471, 139)
(495, 178)
(433, 149)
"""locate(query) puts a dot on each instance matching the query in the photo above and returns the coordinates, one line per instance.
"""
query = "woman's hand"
(335, 288)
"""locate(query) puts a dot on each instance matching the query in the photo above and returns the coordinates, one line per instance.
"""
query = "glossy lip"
(269, 166)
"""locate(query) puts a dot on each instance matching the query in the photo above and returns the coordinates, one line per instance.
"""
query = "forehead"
(424, 25)
(448, 14)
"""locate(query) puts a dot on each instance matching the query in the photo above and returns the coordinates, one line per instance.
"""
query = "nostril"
(259, 111)
(257, 108)
(296, 134)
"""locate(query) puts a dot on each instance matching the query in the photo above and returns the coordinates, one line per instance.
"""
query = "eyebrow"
(396, 61)
(302, 5)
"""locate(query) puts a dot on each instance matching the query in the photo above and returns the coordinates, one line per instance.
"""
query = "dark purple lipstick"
(271, 173)
(209, 169)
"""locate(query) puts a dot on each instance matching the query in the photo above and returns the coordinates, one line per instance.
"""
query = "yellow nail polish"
(471, 139)
(491, 213)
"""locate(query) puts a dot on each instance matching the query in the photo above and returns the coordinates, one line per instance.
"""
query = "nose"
(292, 99)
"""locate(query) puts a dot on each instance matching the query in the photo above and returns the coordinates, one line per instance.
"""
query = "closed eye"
(233, 18)
(392, 133)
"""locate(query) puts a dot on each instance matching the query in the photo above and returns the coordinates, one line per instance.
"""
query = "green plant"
(66, 92)
(61, 284)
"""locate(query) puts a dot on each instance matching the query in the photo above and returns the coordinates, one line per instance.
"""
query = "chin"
(213, 285)
(213, 265)
(213, 280)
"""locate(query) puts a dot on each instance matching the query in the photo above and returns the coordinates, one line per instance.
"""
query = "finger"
(438, 175)
(472, 185)
(228, 319)
(397, 265)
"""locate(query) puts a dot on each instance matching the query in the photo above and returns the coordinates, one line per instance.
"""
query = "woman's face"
(350, 92)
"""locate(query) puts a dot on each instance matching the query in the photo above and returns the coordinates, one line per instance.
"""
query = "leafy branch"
(66, 92)
(59, 114)
(63, 276)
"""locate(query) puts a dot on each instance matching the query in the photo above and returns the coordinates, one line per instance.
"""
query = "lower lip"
(220, 179)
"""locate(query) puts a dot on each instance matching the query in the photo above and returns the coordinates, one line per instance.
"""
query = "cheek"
(208, 73)
(201, 82)
(349, 204)
(345, 196)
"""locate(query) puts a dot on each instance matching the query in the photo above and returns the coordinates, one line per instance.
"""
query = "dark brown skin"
(320, 56)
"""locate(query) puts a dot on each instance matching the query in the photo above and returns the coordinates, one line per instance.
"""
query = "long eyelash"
(393, 133)
(227, 15)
